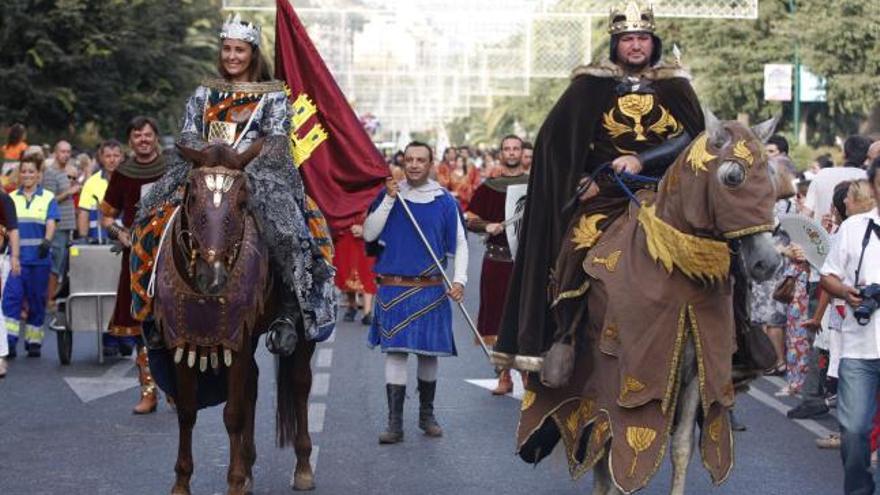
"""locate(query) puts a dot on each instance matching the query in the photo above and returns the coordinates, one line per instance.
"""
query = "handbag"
(784, 292)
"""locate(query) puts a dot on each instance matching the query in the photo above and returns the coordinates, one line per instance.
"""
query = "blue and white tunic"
(416, 320)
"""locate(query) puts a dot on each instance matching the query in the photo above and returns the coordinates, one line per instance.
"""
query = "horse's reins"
(618, 178)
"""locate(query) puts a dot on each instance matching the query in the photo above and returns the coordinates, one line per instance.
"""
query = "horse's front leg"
(187, 408)
(249, 450)
(683, 436)
(303, 477)
(234, 417)
(602, 482)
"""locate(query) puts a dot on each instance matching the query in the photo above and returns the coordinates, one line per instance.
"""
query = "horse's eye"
(732, 174)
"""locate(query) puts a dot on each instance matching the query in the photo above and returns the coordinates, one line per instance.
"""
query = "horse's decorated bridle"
(222, 185)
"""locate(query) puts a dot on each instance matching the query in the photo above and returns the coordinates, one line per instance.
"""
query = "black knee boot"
(427, 421)
(281, 337)
(396, 395)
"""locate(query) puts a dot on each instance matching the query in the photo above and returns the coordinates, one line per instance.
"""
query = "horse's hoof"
(180, 490)
(303, 482)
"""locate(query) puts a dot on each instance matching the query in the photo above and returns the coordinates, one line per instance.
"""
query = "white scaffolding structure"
(415, 64)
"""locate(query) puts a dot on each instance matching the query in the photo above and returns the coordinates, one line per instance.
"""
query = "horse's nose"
(764, 267)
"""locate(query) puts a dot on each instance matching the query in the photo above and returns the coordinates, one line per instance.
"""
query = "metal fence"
(424, 62)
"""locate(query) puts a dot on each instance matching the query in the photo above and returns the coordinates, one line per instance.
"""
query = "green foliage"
(69, 64)
(839, 40)
(727, 58)
(844, 46)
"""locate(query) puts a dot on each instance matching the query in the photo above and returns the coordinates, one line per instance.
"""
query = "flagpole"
(467, 316)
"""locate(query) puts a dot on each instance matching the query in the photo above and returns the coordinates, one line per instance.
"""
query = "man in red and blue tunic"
(413, 314)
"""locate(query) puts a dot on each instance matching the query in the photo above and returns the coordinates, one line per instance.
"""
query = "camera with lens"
(870, 296)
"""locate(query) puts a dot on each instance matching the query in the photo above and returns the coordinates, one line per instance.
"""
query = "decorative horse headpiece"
(214, 207)
(235, 29)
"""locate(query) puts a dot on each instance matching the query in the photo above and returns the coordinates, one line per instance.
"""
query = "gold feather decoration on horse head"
(700, 259)
(699, 155)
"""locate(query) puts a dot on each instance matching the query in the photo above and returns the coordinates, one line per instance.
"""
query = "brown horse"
(213, 300)
(654, 359)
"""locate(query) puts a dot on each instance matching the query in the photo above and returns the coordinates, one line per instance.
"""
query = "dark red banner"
(342, 169)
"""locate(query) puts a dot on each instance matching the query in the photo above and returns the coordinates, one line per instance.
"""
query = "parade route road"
(58, 441)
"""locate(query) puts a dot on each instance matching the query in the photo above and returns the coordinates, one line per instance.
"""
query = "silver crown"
(234, 29)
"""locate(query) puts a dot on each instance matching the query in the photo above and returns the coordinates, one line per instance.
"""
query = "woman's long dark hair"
(16, 135)
(258, 71)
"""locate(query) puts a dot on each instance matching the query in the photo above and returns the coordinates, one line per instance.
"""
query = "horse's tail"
(285, 414)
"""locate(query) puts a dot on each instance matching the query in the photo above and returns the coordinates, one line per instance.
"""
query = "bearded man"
(486, 215)
(127, 186)
(631, 113)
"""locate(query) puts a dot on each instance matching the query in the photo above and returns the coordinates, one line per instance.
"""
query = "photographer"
(852, 273)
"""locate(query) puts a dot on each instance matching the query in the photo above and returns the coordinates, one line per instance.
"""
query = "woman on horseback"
(241, 107)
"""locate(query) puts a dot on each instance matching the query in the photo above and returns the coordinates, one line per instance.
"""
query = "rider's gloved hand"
(43, 249)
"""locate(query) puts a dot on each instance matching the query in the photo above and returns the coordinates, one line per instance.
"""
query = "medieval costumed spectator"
(37, 214)
(447, 163)
(486, 215)
(849, 274)
(57, 180)
(354, 272)
(412, 313)
(461, 180)
(135, 175)
(239, 109)
(90, 231)
(10, 245)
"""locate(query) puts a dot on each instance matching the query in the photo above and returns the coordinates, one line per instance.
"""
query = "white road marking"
(324, 359)
(320, 384)
(111, 382)
(490, 383)
(773, 403)
(317, 412)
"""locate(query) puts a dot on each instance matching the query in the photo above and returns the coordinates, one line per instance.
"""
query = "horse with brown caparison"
(213, 300)
(654, 360)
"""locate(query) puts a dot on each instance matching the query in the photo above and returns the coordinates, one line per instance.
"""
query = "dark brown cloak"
(564, 150)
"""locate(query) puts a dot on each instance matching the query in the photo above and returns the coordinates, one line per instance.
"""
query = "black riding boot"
(281, 337)
(396, 395)
(427, 421)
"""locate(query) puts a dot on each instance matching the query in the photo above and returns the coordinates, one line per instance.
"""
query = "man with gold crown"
(633, 114)
(241, 107)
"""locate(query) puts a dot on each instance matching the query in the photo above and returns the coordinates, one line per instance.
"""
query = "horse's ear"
(191, 155)
(718, 135)
(765, 130)
(250, 153)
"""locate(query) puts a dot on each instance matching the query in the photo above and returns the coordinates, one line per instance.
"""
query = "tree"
(845, 48)
(66, 64)
(727, 57)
